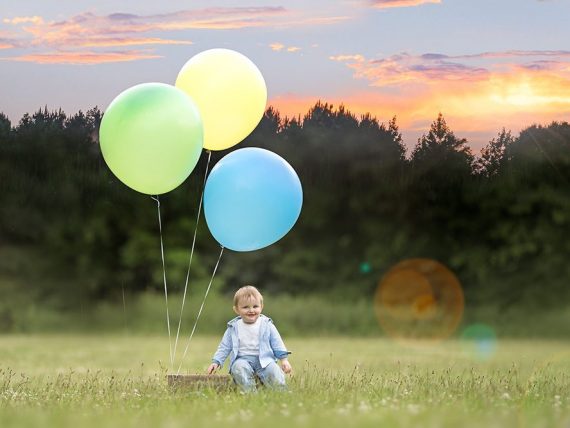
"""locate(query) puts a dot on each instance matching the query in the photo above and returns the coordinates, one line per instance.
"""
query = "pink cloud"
(327, 20)
(125, 41)
(345, 58)
(82, 58)
(385, 4)
(511, 54)
(6, 44)
(427, 69)
(93, 31)
(88, 30)
(88, 25)
(403, 69)
(8, 40)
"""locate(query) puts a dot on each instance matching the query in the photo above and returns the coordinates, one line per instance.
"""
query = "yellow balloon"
(230, 93)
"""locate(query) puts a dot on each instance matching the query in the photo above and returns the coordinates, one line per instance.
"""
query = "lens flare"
(419, 299)
(481, 341)
(365, 268)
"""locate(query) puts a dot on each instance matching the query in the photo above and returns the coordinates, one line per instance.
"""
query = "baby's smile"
(249, 309)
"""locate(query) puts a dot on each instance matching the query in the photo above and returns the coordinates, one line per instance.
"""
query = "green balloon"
(151, 137)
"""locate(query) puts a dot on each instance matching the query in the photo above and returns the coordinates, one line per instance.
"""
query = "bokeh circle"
(419, 299)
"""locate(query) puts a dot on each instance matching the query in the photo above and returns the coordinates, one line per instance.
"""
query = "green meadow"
(82, 310)
(119, 380)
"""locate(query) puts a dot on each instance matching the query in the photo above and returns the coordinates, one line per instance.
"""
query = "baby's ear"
(235, 309)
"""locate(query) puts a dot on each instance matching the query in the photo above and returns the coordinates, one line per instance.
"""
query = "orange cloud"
(7, 40)
(280, 46)
(385, 4)
(82, 58)
(88, 30)
(89, 23)
(110, 42)
(475, 109)
(24, 20)
(276, 46)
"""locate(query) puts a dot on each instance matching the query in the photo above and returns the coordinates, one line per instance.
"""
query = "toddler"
(254, 344)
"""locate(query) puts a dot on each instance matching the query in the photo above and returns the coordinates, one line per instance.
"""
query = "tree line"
(499, 219)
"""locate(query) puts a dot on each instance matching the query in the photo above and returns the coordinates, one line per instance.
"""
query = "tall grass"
(300, 316)
(94, 381)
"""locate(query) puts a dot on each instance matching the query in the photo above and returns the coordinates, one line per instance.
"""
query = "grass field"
(119, 381)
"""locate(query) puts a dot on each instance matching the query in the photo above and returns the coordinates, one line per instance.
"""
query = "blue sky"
(484, 64)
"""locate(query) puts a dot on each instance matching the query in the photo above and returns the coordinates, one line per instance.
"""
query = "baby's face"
(249, 309)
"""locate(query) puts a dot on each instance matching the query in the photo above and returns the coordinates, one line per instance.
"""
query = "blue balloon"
(253, 197)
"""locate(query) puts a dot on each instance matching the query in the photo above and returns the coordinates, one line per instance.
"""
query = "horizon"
(409, 147)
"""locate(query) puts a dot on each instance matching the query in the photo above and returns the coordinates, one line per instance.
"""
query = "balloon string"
(192, 252)
(200, 311)
(164, 277)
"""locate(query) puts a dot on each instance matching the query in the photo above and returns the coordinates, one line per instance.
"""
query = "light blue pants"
(246, 367)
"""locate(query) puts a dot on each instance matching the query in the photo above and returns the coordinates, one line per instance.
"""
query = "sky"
(484, 64)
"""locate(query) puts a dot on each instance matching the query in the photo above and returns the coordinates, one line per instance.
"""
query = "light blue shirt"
(271, 346)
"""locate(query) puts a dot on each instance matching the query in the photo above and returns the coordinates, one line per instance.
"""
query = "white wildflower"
(363, 406)
(414, 409)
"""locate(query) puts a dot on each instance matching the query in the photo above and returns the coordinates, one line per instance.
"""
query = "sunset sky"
(484, 64)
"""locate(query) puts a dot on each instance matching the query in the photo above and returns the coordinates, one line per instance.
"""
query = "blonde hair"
(247, 291)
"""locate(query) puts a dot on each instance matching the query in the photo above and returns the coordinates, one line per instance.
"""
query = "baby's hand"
(286, 366)
(213, 367)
